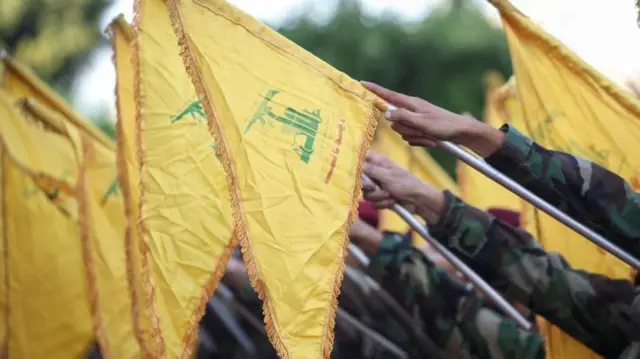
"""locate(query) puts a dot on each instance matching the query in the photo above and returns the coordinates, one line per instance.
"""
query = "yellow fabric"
(4, 324)
(104, 254)
(292, 133)
(476, 188)
(129, 177)
(19, 81)
(46, 283)
(417, 161)
(569, 106)
(186, 210)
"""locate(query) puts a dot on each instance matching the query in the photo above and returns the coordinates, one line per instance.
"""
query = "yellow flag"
(417, 161)
(19, 81)
(186, 209)
(571, 107)
(476, 188)
(292, 133)
(4, 324)
(100, 219)
(46, 288)
(122, 35)
(102, 232)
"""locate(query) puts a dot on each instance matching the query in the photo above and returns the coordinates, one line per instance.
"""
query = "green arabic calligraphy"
(193, 109)
(303, 124)
(111, 191)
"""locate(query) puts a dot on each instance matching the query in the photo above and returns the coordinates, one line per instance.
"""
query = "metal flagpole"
(513, 186)
(474, 278)
(342, 315)
(359, 255)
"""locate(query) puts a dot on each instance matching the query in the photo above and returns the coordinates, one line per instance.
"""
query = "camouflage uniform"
(449, 312)
(362, 297)
(583, 189)
(600, 312)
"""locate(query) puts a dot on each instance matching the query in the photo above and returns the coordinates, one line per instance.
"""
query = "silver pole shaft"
(484, 168)
(342, 315)
(359, 255)
(474, 278)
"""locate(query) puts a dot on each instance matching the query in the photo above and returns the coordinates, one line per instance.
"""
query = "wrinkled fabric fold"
(291, 133)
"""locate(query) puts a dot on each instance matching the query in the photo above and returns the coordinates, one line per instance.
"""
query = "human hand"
(424, 124)
(397, 185)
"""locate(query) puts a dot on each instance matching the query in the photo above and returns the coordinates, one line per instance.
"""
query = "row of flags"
(243, 139)
(564, 104)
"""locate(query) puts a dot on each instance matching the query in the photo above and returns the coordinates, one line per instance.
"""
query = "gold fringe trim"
(86, 239)
(367, 139)
(239, 229)
(188, 342)
(218, 272)
(123, 177)
(119, 24)
(43, 117)
(147, 282)
(554, 48)
(4, 341)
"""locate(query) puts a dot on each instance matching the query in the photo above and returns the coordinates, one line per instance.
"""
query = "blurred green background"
(442, 58)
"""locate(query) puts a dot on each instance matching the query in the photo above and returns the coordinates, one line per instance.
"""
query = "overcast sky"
(603, 32)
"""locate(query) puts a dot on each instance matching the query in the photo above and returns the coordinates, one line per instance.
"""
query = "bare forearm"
(482, 139)
(365, 237)
(430, 204)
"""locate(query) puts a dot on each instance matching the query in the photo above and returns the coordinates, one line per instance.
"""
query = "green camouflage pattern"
(583, 189)
(364, 298)
(449, 312)
(594, 309)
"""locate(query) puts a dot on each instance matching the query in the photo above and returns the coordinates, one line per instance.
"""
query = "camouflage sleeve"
(586, 191)
(449, 312)
(594, 309)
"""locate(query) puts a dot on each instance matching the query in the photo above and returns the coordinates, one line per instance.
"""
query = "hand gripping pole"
(472, 276)
(481, 166)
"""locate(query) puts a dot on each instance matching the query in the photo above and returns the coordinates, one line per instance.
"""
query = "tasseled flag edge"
(556, 49)
(239, 230)
(123, 178)
(86, 239)
(191, 69)
(145, 275)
